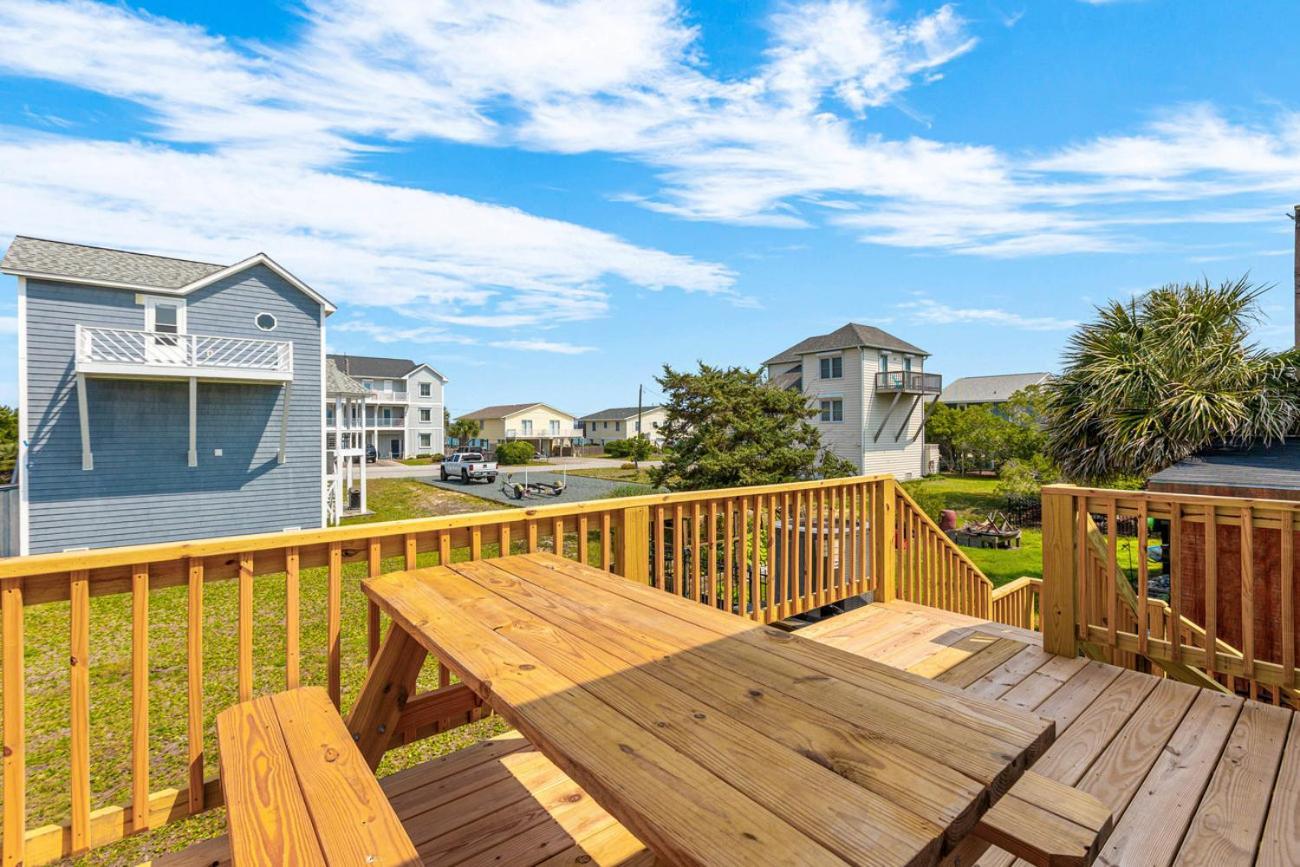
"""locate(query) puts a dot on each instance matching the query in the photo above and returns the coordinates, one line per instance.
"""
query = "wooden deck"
(1192, 776)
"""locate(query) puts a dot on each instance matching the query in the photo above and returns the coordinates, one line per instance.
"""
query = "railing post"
(632, 545)
(1057, 601)
(884, 541)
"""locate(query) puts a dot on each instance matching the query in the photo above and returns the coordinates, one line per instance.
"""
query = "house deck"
(1193, 777)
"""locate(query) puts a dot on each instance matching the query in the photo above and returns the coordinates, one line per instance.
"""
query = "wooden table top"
(713, 739)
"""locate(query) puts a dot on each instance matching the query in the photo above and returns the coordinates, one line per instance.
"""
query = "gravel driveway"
(578, 488)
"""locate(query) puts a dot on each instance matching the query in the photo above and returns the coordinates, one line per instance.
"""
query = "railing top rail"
(54, 563)
(146, 332)
(1173, 497)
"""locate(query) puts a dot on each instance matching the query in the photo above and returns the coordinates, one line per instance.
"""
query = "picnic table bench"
(297, 789)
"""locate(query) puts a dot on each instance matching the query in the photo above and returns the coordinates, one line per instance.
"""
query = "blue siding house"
(163, 399)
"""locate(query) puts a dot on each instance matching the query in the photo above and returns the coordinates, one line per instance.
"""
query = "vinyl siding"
(433, 403)
(141, 489)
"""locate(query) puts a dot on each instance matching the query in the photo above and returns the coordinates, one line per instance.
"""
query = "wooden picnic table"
(713, 739)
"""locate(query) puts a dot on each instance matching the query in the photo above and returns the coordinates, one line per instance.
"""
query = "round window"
(265, 321)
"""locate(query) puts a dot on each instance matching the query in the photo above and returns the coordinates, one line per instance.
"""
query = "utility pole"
(1295, 218)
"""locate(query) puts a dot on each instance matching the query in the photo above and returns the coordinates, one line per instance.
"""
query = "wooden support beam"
(83, 416)
(284, 425)
(1057, 605)
(194, 422)
(888, 414)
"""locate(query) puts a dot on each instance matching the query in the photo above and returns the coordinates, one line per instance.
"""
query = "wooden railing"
(1230, 621)
(932, 569)
(1017, 603)
(764, 552)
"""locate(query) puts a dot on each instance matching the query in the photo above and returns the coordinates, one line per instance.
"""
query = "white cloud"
(929, 312)
(543, 346)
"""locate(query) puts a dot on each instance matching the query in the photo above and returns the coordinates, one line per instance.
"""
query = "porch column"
(194, 422)
(338, 455)
(284, 421)
(362, 440)
(87, 459)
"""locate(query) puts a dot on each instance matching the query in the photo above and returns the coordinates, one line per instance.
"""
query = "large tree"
(1153, 380)
(726, 427)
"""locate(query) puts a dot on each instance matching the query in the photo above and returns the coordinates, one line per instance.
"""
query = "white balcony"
(544, 433)
(123, 352)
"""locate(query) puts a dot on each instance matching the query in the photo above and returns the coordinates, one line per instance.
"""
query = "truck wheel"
(464, 477)
(443, 472)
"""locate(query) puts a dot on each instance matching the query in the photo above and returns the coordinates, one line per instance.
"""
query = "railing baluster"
(1144, 570)
(476, 543)
(374, 566)
(15, 734)
(606, 543)
(245, 627)
(194, 674)
(756, 566)
(292, 617)
(1211, 590)
(79, 720)
(1288, 600)
(679, 573)
(696, 535)
(557, 534)
(333, 612)
(772, 612)
(140, 697)
(729, 552)
(503, 540)
(742, 556)
(1175, 580)
(584, 529)
(1248, 593)
(1112, 565)
(659, 554)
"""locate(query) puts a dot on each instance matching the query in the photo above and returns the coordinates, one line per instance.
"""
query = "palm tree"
(1169, 373)
(464, 429)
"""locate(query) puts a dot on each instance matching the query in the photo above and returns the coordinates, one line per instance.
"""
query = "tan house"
(870, 390)
(620, 423)
(550, 430)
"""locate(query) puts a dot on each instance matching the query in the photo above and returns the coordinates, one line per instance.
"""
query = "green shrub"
(627, 466)
(629, 491)
(618, 448)
(436, 458)
(514, 453)
(930, 501)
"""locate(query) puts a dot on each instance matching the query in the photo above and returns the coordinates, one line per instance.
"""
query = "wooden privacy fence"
(764, 552)
(1230, 622)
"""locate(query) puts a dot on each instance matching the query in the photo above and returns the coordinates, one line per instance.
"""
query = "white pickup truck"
(469, 467)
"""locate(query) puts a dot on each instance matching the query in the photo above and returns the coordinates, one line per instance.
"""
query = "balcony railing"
(544, 433)
(129, 352)
(909, 382)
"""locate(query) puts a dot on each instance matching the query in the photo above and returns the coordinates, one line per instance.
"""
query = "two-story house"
(550, 431)
(404, 414)
(621, 423)
(870, 391)
(164, 399)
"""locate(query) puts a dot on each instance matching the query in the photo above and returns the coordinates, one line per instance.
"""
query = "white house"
(870, 390)
(404, 417)
(621, 423)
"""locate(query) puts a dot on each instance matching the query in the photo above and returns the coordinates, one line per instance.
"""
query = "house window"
(907, 363)
(164, 315)
(426, 416)
(555, 428)
(426, 441)
(527, 426)
(832, 368)
(368, 384)
(884, 361)
(265, 321)
(832, 410)
(616, 425)
(426, 389)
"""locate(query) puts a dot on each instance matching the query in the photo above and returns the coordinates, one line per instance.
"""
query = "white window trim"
(831, 359)
(151, 303)
(275, 322)
(424, 420)
(831, 400)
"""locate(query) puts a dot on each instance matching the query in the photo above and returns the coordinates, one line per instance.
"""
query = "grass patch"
(46, 658)
(616, 474)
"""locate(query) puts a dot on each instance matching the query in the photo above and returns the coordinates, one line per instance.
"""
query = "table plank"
(859, 825)
(674, 806)
(861, 697)
(269, 821)
(866, 745)
(353, 820)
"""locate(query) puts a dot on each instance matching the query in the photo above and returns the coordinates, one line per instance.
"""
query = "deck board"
(1193, 777)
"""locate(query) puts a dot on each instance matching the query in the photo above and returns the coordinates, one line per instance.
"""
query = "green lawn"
(973, 497)
(47, 628)
(616, 474)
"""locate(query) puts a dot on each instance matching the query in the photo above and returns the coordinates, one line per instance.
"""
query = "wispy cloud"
(543, 346)
(930, 312)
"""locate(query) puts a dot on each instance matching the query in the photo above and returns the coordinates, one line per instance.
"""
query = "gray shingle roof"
(339, 383)
(374, 366)
(990, 389)
(81, 262)
(849, 336)
(1275, 467)
(618, 412)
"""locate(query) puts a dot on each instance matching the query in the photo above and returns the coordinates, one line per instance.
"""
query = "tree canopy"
(1155, 379)
(978, 437)
(726, 428)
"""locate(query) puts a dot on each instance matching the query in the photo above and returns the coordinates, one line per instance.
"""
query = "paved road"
(394, 470)
(577, 489)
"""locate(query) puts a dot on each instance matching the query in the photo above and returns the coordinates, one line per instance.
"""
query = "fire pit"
(995, 531)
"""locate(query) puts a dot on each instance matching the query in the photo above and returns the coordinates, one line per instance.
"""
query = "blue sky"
(549, 200)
